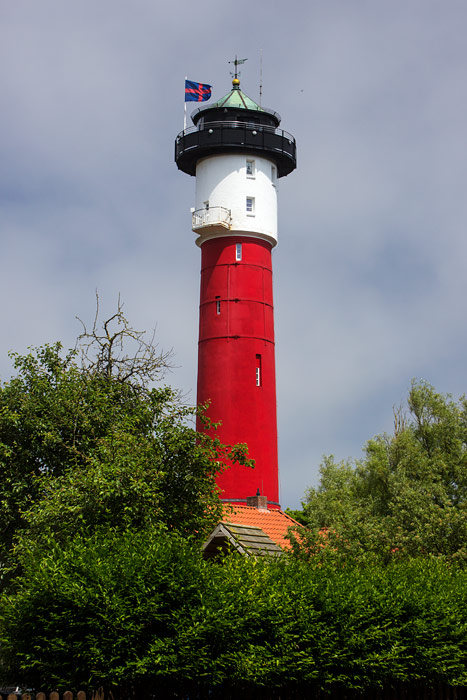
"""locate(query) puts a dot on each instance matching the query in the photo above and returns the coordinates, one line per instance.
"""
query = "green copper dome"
(236, 99)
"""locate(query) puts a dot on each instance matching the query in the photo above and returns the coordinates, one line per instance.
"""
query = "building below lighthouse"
(237, 153)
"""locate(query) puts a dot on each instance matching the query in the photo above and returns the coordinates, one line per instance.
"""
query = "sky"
(370, 275)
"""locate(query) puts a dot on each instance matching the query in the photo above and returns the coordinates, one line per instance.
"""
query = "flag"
(197, 92)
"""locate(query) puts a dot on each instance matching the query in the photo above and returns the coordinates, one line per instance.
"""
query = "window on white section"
(206, 205)
(258, 370)
(218, 305)
(250, 206)
(250, 168)
(238, 251)
(273, 175)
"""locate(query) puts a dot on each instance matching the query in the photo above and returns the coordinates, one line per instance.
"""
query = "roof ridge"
(253, 527)
(269, 511)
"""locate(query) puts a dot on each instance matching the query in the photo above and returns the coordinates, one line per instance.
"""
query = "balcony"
(215, 219)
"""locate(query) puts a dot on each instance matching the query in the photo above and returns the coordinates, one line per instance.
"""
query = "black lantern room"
(235, 124)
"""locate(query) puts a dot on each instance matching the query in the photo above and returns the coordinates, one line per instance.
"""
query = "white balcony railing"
(214, 217)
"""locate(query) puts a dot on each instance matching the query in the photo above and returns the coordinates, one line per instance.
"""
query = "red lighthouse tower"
(237, 152)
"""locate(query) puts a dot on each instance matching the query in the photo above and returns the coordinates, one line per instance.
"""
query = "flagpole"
(260, 76)
(184, 104)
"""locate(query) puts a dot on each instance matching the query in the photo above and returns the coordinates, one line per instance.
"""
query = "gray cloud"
(370, 270)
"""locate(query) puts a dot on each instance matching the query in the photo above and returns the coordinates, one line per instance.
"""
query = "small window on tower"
(206, 205)
(238, 251)
(258, 370)
(273, 175)
(218, 305)
(250, 168)
(250, 206)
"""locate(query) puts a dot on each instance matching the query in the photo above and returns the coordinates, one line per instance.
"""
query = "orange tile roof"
(274, 523)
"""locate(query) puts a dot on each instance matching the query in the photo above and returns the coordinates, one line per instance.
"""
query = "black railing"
(193, 143)
(251, 126)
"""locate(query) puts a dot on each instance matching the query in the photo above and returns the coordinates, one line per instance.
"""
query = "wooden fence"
(68, 695)
(440, 692)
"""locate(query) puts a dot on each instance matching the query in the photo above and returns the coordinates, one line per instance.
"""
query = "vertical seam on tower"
(228, 302)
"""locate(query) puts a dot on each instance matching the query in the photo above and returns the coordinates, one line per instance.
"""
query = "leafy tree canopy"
(88, 440)
(407, 497)
(140, 613)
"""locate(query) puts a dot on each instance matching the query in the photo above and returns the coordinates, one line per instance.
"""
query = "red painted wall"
(236, 337)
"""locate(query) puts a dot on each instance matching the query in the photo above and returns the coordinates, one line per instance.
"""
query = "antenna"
(260, 76)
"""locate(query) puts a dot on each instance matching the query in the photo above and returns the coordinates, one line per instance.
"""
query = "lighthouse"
(237, 152)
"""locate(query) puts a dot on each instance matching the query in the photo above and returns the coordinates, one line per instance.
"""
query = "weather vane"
(237, 62)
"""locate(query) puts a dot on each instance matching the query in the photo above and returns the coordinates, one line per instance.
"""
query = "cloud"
(370, 268)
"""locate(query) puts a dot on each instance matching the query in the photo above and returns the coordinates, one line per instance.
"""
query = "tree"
(408, 496)
(86, 439)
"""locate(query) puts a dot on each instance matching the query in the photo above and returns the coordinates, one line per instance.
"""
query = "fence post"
(98, 695)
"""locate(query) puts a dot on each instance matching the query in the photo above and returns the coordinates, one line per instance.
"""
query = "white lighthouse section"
(236, 194)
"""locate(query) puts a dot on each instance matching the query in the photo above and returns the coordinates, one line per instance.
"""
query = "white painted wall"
(222, 181)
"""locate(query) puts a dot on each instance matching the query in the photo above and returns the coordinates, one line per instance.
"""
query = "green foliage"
(141, 611)
(297, 515)
(407, 497)
(98, 610)
(86, 442)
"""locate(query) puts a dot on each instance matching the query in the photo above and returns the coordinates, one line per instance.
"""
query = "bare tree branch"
(117, 351)
(400, 420)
